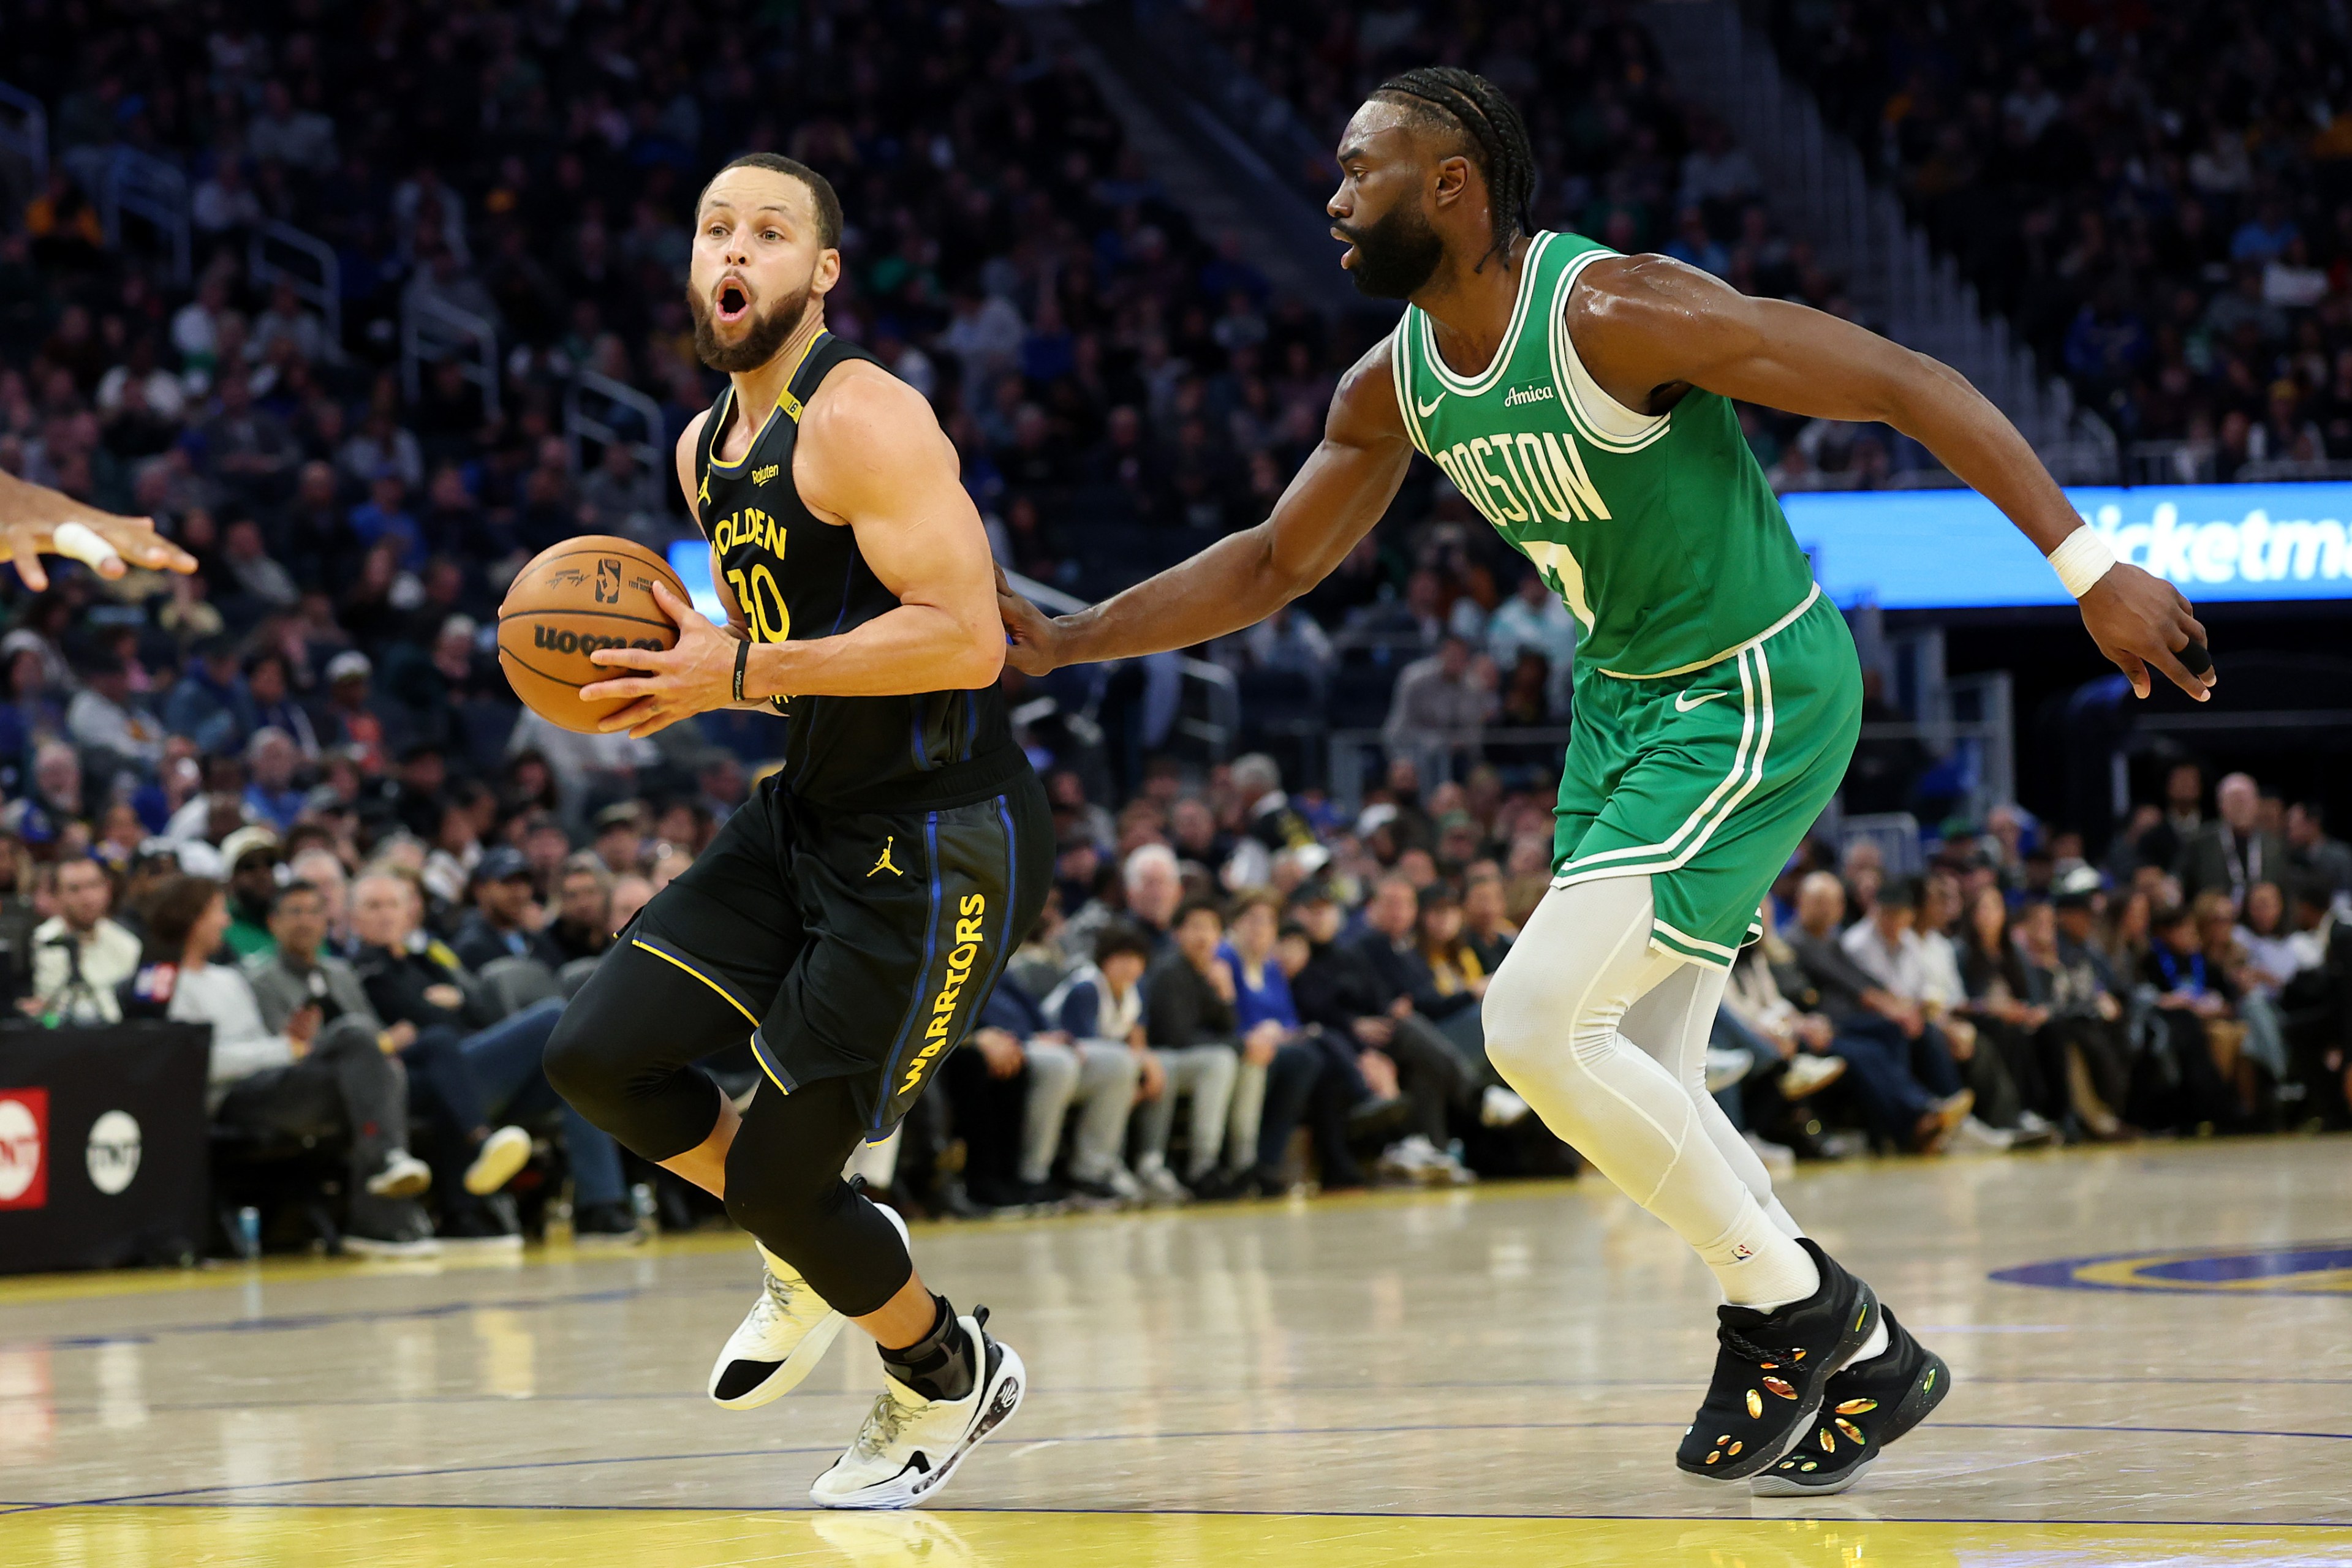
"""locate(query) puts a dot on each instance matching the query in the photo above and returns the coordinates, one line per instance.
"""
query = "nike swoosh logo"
(1425, 412)
(1685, 702)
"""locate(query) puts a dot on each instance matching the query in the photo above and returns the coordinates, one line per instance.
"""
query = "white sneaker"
(781, 1338)
(1807, 1073)
(1121, 1180)
(1778, 1159)
(404, 1176)
(502, 1155)
(1498, 1107)
(910, 1446)
(1160, 1186)
(1973, 1136)
(1726, 1067)
(386, 1246)
(1415, 1158)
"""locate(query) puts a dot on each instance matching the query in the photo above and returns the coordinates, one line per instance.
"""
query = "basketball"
(595, 591)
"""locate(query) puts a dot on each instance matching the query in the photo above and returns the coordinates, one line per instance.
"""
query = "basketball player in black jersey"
(855, 914)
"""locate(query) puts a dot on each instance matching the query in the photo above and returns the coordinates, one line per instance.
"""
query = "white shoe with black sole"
(910, 1446)
(781, 1339)
(403, 1176)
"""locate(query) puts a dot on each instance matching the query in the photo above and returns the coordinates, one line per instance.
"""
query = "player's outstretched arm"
(1343, 489)
(1645, 325)
(36, 520)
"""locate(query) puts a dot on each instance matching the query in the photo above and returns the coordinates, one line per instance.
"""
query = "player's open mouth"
(734, 301)
(1347, 239)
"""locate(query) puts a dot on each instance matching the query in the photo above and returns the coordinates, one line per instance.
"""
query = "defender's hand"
(2137, 620)
(32, 517)
(695, 676)
(1032, 634)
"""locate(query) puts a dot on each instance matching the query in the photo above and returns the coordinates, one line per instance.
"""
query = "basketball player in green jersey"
(1581, 401)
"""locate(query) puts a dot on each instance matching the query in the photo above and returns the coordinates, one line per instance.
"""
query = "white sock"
(1876, 1345)
(1757, 1266)
(1777, 1213)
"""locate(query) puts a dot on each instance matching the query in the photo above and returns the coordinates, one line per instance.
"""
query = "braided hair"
(1498, 139)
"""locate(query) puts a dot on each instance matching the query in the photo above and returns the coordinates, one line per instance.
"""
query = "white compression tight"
(1606, 1037)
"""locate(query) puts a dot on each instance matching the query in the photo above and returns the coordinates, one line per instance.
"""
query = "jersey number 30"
(757, 592)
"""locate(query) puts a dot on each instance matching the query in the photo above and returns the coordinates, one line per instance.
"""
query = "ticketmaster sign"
(1942, 549)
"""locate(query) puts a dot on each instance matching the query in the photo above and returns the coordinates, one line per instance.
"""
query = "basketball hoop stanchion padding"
(104, 1145)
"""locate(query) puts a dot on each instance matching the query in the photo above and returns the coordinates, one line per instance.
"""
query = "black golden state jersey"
(797, 577)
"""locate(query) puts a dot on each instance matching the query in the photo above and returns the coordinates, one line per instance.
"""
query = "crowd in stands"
(1622, 157)
(2155, 194)
(2199, 979)
(1234, 991)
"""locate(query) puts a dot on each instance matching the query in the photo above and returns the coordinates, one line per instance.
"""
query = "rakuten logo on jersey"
(24, 1148)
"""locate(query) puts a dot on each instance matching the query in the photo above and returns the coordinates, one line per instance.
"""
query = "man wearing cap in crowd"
(352, 722)
(505, 922)
(251, 854)
(102, 718)
(203, 704)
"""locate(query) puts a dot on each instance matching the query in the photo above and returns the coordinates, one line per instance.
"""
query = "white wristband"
(2082, 558)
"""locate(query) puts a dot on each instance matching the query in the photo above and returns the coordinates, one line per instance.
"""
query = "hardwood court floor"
(1496, 1376)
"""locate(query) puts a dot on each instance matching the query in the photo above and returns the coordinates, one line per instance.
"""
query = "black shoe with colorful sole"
(1866, 1406)
(1770, 1372)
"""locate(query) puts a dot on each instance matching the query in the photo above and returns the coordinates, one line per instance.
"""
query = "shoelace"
(1747, 1349)
(883, 1424)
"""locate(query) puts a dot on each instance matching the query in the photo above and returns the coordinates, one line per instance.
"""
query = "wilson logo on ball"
(586, 641)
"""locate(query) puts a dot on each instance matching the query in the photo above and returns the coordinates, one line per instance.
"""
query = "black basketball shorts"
(858, 945)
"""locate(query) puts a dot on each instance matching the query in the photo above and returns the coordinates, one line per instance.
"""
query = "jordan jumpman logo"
(885, 863)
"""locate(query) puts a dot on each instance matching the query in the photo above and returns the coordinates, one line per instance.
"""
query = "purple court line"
(1121, 1438)
(1598, 1385)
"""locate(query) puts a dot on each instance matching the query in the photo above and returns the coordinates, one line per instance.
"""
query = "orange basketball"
(592, 592)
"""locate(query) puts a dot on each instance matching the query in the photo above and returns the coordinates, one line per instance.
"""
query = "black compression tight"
(625, 1054)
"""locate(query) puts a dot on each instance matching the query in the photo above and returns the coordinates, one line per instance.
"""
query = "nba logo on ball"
(113, 1152)
(24, 1139)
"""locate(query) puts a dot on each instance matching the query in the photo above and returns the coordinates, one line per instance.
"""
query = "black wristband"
(742, 656)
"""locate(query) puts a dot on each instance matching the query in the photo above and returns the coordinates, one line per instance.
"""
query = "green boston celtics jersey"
(1658, 531)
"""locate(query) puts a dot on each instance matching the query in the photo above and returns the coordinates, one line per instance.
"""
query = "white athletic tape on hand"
(83, 543)
(2082, 558)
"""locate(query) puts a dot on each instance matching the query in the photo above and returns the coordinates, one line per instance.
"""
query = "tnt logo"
(113, 1152)
(24, 1148)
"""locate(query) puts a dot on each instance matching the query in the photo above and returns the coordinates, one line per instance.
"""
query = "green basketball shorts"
(1706, 780)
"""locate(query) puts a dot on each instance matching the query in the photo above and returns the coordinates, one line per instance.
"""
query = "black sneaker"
(1866, 1406)
(1770, 1371)
(606, 1225)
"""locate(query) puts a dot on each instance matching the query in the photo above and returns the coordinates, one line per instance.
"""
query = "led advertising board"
(1951, 550)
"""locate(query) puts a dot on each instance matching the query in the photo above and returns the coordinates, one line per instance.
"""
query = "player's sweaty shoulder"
(1639, 322)
(865, 438)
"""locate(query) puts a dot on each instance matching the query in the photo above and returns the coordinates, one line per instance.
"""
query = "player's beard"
(1395, 253)
(761, 341)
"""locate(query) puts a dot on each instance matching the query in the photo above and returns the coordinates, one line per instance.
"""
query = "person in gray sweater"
(308, 1077)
